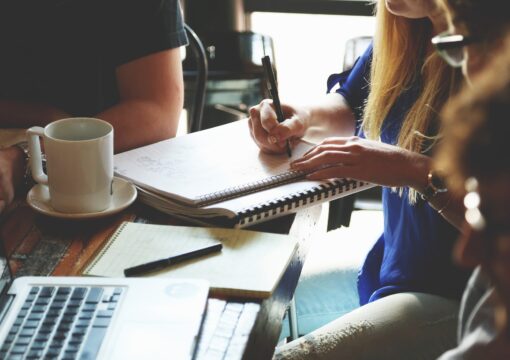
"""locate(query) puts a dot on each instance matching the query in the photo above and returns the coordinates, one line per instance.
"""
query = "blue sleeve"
(354, 83)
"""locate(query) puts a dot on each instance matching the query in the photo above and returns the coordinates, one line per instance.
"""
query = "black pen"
(159, 264)
(273, 89)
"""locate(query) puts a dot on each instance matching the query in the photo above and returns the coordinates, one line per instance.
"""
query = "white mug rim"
(57, 122)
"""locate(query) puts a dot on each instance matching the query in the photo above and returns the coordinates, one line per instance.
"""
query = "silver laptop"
(99, 318)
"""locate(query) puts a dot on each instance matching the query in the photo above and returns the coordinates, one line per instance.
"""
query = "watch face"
(438, 183)
(23, 146)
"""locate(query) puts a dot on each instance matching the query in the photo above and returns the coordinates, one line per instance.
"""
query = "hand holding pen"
(273, 89)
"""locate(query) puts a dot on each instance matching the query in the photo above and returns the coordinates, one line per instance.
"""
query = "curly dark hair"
(487, 19)
(476, 126)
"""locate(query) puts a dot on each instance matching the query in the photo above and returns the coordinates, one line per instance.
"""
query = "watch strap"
(435, 186)
(28, 181)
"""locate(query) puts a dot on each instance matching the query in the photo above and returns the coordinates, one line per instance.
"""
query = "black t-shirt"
(64, 52)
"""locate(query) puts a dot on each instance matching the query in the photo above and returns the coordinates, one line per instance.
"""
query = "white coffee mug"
(79, 163)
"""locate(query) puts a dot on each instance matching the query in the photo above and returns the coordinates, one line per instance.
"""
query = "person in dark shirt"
(118, 60)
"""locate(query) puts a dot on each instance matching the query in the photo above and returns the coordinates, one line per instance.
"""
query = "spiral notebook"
(219, 176)
(250, 264)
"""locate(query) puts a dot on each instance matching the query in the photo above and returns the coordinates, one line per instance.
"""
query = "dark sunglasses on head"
(451, 47)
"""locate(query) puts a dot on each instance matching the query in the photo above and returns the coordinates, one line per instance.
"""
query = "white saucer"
(124, 193)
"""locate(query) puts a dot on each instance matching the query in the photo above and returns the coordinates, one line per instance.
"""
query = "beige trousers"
(407, 326)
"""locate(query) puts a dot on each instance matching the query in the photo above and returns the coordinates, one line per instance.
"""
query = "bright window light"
(308, 48)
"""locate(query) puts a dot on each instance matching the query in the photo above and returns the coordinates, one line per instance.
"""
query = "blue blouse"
(414, 253)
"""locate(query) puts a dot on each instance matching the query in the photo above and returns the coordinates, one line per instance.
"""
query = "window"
(308, 48)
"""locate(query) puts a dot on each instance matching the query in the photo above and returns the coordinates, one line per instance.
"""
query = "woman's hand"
(268, 134)
(11, 174)
(366, 160)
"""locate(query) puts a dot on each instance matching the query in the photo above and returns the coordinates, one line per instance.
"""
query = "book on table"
(219, 176)
(250, 264)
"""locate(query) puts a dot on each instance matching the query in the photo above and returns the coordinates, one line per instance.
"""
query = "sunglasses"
(451, 47)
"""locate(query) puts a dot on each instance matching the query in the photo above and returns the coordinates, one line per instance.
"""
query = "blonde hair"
(403, 55)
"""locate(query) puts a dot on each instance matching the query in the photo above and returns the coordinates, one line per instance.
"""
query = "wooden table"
(39, 245)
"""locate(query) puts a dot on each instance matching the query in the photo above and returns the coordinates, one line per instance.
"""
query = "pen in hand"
(163, 263)
(273, 89)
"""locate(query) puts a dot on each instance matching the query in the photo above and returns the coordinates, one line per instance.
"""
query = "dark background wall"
(214, 15)
(236, 78)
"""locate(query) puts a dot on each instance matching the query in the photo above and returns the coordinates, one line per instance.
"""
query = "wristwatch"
(435, 185)
(28, 181)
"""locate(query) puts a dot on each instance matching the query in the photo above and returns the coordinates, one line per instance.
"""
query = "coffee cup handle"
(34, 146)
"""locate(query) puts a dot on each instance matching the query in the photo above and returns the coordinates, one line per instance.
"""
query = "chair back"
(196, 110)
(354, 48)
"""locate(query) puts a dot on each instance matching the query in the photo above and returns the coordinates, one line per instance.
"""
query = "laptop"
(99, 318)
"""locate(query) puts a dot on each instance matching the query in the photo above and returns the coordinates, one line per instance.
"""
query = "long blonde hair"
(403, 55)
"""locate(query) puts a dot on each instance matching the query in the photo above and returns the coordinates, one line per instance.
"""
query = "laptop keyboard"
(226, 329)
(61, 323)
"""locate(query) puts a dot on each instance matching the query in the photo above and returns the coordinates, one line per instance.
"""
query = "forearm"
(451, 208)
(18, 114)
(331, 117)
(11, 174)
(141, 122)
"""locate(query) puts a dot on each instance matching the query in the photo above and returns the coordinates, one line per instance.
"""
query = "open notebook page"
(188, 167)
(134, 244)
(250, 264)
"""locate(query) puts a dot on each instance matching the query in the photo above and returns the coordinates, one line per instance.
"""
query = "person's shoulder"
(143, 4)
(144, 11)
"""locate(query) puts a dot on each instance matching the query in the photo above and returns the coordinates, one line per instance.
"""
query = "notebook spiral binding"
(232, 192)
(288, 203)
(102, 250)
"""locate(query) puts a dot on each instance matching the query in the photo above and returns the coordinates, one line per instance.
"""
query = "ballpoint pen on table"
(273, 89)
(163, 263)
